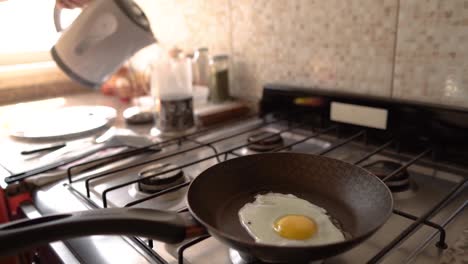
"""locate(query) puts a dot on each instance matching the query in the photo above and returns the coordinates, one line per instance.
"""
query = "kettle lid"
(134, 12)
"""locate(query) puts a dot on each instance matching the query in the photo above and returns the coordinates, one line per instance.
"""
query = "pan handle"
(168, 227)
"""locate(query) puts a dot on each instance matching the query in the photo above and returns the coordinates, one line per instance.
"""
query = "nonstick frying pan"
(356, 198)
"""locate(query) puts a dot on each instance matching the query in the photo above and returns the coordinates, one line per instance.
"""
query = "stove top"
(430, 194)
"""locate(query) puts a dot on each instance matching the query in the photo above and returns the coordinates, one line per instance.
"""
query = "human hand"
(71, 3)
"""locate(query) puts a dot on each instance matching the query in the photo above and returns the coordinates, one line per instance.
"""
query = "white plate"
(63, 123)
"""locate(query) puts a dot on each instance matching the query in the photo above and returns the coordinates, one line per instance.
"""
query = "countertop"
(11, 147)
(11, 160)
(20, 84)
(89, 98)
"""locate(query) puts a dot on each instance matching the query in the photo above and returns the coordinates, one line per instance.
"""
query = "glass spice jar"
(219, 79)
(201, 67)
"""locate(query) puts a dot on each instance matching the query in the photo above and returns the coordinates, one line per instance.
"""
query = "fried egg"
(286, 220)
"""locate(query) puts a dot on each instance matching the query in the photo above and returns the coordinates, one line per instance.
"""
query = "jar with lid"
(219, 79)
(201, 67)
(171, 85)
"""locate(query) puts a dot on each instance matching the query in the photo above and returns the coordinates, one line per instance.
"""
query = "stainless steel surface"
(431, 184)
(62, 197)
(108, 140)
(175, 115)
(237, 258)
(93, 249)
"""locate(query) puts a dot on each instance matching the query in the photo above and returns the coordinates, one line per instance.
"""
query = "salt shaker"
(201, 61)
(219, 79)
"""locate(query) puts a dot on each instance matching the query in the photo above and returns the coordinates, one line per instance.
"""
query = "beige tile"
(364, 45)
(262, 37)
(191, 24)
(333, 44)
(313, 61)
(280, 41)
(432, 58)
(344, 45)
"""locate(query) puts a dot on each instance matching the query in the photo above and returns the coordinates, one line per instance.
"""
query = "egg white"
(258, 219)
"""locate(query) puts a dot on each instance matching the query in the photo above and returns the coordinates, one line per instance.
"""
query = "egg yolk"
(297, 227)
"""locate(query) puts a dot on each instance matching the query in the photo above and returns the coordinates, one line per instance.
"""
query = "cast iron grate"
(220, 156)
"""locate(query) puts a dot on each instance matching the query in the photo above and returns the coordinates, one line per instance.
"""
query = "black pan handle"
(168, 227)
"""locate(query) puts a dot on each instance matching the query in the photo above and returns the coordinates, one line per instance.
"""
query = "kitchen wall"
(410, 49)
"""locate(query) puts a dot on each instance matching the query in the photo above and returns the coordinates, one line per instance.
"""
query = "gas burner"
(398, 184)
(238, 257)
(272, 141)
(160, 182)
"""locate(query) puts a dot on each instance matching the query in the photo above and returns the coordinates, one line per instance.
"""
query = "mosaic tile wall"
(190, 24)
(432, 55)
(333, 44)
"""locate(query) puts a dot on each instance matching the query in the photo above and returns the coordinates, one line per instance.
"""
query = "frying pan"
(356, 198)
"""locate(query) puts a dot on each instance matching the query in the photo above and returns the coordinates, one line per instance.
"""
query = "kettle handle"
(57, 22)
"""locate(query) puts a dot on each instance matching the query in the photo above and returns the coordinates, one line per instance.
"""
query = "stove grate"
(165, 143)
(417, 221)
(106, 191)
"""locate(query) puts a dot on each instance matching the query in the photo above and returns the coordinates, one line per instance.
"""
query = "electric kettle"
(101, 38)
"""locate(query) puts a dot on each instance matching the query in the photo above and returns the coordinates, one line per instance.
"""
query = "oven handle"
(168, 227)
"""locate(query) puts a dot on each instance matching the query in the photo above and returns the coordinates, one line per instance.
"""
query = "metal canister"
(171, 85)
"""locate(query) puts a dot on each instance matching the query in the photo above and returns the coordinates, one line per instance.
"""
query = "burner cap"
(272, 141)
(382, 168)
(159, 182)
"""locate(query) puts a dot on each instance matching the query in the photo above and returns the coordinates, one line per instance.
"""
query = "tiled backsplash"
(411, 49)
(432, 53)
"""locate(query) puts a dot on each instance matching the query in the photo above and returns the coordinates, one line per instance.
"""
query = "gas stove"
(403, 143)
